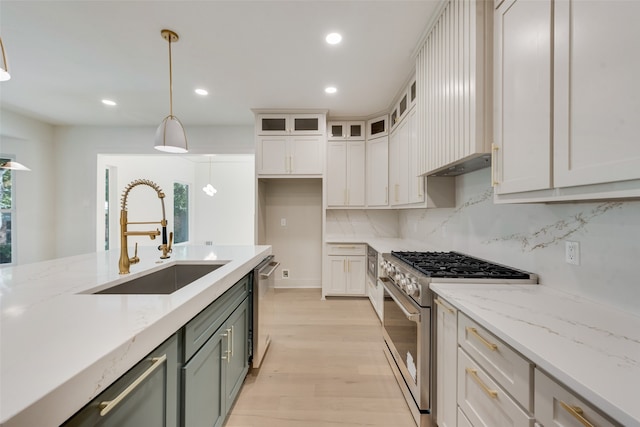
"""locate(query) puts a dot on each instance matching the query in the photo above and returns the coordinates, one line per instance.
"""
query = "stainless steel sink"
(165, 281)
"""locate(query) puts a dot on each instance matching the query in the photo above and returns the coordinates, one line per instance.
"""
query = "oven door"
(406, 330)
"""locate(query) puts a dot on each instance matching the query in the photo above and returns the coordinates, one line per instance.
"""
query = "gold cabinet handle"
(494, 152)
(108, 405)
(346, 247)
(491, 346)
(577, 413)
(232, 337)
(474, 374)
(439, 302)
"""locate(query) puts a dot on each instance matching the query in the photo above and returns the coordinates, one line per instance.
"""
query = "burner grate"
(457, 266)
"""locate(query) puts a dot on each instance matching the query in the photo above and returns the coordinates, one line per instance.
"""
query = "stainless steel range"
(409, 321)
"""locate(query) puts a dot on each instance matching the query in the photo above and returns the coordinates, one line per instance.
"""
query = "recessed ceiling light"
(330, 89)
(202, 92)
(333, 38)
(109, 102)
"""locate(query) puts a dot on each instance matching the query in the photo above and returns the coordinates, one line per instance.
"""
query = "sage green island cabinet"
(146, 396)
(192, 379)
(216, 358)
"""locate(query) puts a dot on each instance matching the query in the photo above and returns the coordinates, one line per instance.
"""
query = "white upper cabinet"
(567, 101)
(346, 130)
(287, 124)
(290, 155)
(378, 127)
(377, 182)
(399, 164)
(454, 86)
(596, 92)
(290, 144)
(345, 173)
(522, 144)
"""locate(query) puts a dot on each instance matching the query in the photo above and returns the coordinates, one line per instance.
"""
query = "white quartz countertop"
(592, 348)
(61, 346)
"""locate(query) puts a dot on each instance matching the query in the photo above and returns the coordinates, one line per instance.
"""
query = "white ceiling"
(65, 56)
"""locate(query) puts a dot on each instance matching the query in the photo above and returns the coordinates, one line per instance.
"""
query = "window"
(180, 212)
(7, 213)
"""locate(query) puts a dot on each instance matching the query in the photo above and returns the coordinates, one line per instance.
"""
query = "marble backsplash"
(359, 222)
(532, 237)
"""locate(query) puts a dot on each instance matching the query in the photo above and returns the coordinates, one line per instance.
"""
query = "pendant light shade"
(170, 136)
(14, 166)
(4, 67)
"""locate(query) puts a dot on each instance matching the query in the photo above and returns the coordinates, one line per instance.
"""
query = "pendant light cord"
(170, 81)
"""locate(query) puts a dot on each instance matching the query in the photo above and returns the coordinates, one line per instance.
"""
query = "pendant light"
(14, 166)
(170, 136)
(4, 68)
(208, 189)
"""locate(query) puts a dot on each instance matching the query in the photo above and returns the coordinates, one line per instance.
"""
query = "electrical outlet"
(572, 253)
(285, 273)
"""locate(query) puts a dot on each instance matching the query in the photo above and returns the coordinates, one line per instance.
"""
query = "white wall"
(532, 237)
(298, 244)
(227, 218)
(31, 143)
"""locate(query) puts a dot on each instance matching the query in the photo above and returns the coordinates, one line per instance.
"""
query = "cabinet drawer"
(483, 401)
(463, 421)
(558, 406)
(510, 369)
(346, 249)
(202, 327)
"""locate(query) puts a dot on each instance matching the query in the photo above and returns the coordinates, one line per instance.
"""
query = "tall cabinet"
(346, 165)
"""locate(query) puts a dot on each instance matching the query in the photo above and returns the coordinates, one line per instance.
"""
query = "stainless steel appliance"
(263, 308)
(409, 320)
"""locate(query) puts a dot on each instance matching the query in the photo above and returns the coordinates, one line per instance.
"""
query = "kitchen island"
(61, 345)
(588, 347)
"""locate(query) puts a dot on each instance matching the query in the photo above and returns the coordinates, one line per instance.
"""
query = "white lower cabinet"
(492, 385)
(463, 421)
(485, 402)
(505, 365)
(446, 362)
(345, 269)
(557, 406)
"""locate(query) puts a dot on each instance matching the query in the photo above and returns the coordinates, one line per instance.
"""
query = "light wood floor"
(324, 367)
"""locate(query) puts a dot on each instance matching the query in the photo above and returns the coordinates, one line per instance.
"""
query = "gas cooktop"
(457, 266)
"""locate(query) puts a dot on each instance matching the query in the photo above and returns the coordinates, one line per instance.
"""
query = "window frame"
(11, 211)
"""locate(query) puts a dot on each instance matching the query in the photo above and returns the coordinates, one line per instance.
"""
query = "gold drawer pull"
(443, 305)
(577, 413)
(108, 405)
(491, 346)
(474, 374)
(347, 247)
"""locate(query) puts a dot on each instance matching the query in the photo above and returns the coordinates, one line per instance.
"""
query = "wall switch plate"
(283, 222)
(285, 273)
(572, 253)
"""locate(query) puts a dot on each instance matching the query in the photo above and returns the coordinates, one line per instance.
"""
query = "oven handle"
(414, 317)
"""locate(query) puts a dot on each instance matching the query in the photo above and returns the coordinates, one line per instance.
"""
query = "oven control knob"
(399, 277)
(412, 288)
